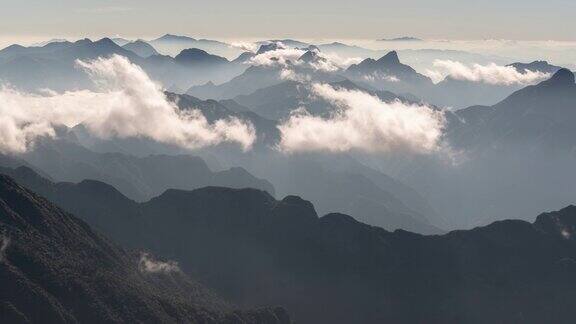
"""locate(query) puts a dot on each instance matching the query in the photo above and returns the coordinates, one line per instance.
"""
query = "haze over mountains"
(342, 184)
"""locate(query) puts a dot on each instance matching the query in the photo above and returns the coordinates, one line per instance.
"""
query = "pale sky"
(328, 19)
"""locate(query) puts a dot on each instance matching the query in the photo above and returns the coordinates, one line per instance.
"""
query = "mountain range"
(251, 248)
(53, 66)
(55, 269)
(514, 158)
(140, 48)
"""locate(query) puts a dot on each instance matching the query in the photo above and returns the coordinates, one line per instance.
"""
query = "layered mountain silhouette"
(170, 44)
(401, 39)
(252, 248)
(266, 131)
(140, 178)
(541, 115)
(140, 48)
(261, 76)
(390, 74)
(53, 66)
(462, 93)
(536, 66)
(517, 157)
(198, 57)
(55, 269)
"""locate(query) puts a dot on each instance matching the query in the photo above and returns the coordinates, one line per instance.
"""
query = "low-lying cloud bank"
(285, 56)
(129, 104)
(363, 123)
(491, 73)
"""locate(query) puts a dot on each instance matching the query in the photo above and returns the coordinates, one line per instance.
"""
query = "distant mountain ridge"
(389, 73)
(402, 39)
(141, 48)
(140, 178)
(542, 112)
(53, 65)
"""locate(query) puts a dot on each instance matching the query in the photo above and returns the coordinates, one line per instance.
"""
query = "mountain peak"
(310, 56)
(269, 47)
(195, 55)
(171, 37)
(106, 41)
(390, 58)
(562, 77)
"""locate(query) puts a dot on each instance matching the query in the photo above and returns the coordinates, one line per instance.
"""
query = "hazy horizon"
(363, 19)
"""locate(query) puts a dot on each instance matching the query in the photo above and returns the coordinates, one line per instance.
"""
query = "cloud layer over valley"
(286, 56)
(490, 73)
(128, 104)
(362, 122)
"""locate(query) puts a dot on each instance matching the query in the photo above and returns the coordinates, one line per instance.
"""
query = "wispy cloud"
(148, 264)
(129, 104)
(4, 243)
(245, 46)
(491, 73)
(363, 123)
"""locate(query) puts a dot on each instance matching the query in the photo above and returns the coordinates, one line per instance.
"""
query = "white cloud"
(148, 264)
(380, 76)
(336, 62)
(245, 46)
(288, 57)
(289, 74)
(363, 123)
(280, 56)
(128, 104)
(491, 73)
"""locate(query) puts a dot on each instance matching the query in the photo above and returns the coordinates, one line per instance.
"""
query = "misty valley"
(193, 180)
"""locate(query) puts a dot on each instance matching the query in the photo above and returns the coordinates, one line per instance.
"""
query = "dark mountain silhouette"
(542, 114)
(340, 184)
(174, 44)
(261, 76)
(139, 178)
(254, 78)
(517, 157)
(389, 73)
(311, 56)
(174, 38)
(121, 41)
(194, 56)
(286, 42)
(462, 93)
(140, 48)
(243, 58)
(269, 47)
(536, 66)
(344, 185)
(53, 66)
(252, 248)
(266, 131)
(55, 269)
(257, 77)
(401, 39)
